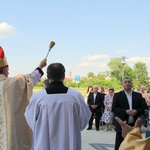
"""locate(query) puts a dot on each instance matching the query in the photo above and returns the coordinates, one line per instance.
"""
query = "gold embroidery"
(1, 140)
(1, 121)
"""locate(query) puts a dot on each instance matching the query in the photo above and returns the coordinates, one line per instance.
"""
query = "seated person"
(132, 137)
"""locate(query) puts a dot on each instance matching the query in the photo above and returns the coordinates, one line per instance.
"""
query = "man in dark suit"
(128, 106)
(95, 100)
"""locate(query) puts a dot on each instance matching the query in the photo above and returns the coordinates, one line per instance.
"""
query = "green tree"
(90, 75)
(141, 74)
(115, 66)
(129, 72)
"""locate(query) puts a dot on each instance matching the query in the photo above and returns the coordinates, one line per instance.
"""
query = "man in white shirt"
(57, 114)
(128, 106)
(95, 102)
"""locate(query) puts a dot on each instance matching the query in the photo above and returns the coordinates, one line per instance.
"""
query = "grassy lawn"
(82, 90)
(36, 89)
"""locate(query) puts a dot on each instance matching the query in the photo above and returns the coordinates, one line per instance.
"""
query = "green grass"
(82, 90)
(36, 89)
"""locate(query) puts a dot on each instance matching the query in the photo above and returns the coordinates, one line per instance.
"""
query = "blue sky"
(87, 33)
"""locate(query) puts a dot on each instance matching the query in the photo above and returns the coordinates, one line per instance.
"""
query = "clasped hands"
(108, 108)
(94, 106)
(131, 112)
(148, 102)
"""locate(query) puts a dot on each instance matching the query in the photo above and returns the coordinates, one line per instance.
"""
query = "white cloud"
(6, 30)
(139, 59)
(132, 60)
(84, 64)
(98, 63)
(121, 50)
(101, 61)
(94, 61)
(95, 57)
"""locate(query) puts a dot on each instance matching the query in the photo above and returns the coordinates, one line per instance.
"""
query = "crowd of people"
(100, 104)
(127, 104)
(54, 117)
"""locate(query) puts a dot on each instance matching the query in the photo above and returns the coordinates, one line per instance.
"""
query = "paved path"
(98, 140)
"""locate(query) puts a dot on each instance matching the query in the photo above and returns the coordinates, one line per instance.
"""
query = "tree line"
(112, 77)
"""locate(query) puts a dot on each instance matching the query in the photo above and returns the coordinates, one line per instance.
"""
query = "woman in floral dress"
(108, 115)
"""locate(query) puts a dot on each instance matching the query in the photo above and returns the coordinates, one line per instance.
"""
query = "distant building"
(107, 78)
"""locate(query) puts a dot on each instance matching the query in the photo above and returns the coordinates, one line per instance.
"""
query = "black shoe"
(89, 128)
(97, 129)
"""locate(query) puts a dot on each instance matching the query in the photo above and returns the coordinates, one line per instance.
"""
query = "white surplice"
(57, 120)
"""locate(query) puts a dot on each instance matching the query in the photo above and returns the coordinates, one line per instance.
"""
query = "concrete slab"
(98, 140)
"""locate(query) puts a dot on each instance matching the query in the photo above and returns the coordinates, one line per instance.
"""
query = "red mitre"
(3, 61)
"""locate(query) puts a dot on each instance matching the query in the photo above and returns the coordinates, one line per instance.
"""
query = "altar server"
(57, 114)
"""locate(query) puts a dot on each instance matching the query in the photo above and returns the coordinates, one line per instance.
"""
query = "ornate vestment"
(134, 141)
(15, 93)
